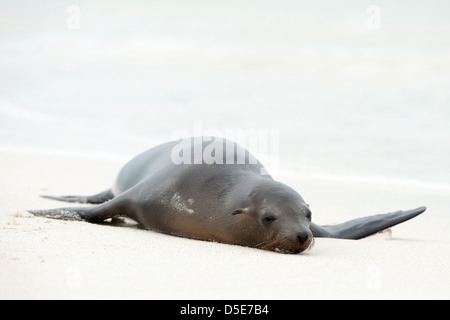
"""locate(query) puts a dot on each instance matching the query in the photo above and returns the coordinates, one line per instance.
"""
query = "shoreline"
(50, 259)
(290, 171)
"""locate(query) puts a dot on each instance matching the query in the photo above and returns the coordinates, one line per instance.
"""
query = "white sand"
(44, 258)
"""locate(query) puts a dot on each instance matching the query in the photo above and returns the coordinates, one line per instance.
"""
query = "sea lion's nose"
(302, 237)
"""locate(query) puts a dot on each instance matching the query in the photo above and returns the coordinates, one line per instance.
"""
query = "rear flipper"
(98, 213)
(95, 199)
(364, 227)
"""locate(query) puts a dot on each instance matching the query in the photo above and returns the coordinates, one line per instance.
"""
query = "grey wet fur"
(227, 200)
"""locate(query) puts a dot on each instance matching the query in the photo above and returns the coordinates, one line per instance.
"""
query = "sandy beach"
(352, 98)
(51, 259)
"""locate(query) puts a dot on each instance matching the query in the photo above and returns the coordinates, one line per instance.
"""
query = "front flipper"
(364, 227)
(98, 213)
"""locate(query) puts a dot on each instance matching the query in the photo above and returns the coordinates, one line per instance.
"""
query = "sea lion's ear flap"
(240, 211)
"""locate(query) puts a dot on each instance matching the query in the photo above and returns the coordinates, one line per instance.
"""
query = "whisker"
(311, 244)
(268, 245)
(261, 245)
(273, 245)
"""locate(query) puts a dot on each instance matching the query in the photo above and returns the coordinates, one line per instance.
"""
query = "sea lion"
(213, 189)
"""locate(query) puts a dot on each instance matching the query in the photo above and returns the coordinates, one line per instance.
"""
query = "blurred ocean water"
(112, 78)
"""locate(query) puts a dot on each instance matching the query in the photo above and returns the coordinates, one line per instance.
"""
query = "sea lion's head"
(276, 218)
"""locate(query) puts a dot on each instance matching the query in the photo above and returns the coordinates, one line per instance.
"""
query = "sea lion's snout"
(296, 242)
(306, 240)
(303, 237)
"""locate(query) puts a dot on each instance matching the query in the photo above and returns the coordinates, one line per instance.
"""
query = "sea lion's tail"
(364, 227)
(94, 199)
